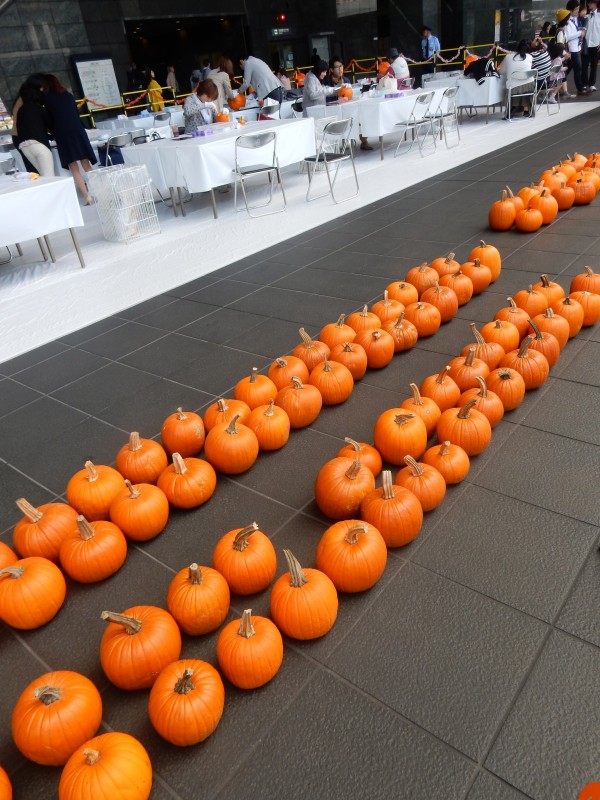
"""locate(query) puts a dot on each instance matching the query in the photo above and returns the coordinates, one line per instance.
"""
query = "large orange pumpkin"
(231, 448)
(340, 486)
(394, 511)
(466, 427)
(250, 651)
(271, 425)
(141, 460)
(302, 402)
(502, 214)
(424, 481)
(32, 591)
(255, 390)
(187, 482)
(423, 407)
(311, 351)
(223, 411)
(198, 599)
(283, 369)
(363, 452)
(92, 490)
(588, 281)
(237, 102)
(183, 433)
(140, 511)
(450, 460)
(334, 333)
(93, 551)
(488, 255)
(530, 364)
(398, 434)
(42, 530)
(246, 559)
(441, 388)
(353, 554)
(403, 332)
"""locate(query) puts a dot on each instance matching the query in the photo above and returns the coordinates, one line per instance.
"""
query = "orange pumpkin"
(480, 275)
(345, 93)
(490, 352)
(588, 281)
(585, 191)
(198, 599)
(333, 380)
(250, 651)
(425, 317)
(461, 285)
(509, 385)
(232, 448)
(549, 322)
(283, 369)
(301, 402)
(363, 452)
(140, 511)
(488, 255)
(42, 530)
(363, 320)
(564, 196)
(423, 407)
(450, 460)
(271, 425)
(311, 351)
(92, 490)
(421, 277)
(545, 343)
(488, 402)
(424, 481)
(505, 334)
(529, 220)
(394, 511)
(518, 316)
(573, 312)
(552, 179)
(530, 364)
(352, 356)
(402, 291)
(353, 554)
(141, 460)
(223, 411)
(186, 702)
(5, 786)
(531, 301)
(527, 192)
(446, 265)
(32, 590)
(246, 559)
(502, 214)
(182, 432)
(464, 370)
(187, 482)
(379, 345)
(94, 551)
(335, 333)
(466, 427)
(387, 309)
(237, 102)
(552, 291)
(398, 434)
(402, 332)
(546, 204)
(7, 556)
(443, 298)
(441, 388)
(515, 200)
(255, 390)
(590, 302)
(340, 486)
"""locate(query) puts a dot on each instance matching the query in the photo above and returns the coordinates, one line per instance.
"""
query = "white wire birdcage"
(123, 199)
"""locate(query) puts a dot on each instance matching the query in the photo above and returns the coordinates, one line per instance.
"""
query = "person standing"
(206, 68)
(582, 23)
(258, 75)
(430, 45)
(221, 76)
(568, 33)
(195, 77)
(33, 123)
(172, 82)
(593, 42)
(155, 97)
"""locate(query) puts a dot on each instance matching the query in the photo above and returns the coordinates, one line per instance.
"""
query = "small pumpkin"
(335, 333)
(549, 322)
(546, 204)
(93, 551)
(490, 352)
(137, 645)
(340, 486)
(402, 291)
(32, 590)
(441, 388)
(573, 312)
(424, 481)
(271, 425)
(302, 402)
(394, 511)
(480, 275)
(502, 214)
(532, 365)
(552, 291)
(443, 298)
(311, 351)
(545, 343)
(518, 316)
(531, 301)
(488, 402)
(387, 309)
(255, 390)
(141, 460)
(353, 356)
(552, 179)
(505, 334)
(334, 380)
(246, 559)
(5, 786)
(529, 220)
(425, 317)
(140, 511)
(379, 345)
(182, 432)
(186, 702)
(488, 255)
(92, 490)
(363, 320)
(363, 452)
(585, 191)
(398, 434)
(223, 411)
(423, 407)
(590, 302)
(402, 332)
(527, 192)
(509, 385)
(250, 651)
(198, 599)
(564, 196)
(446, 265)
(461, 285)
(283, 369)
(466, 427)
(112, 765)
(54, 715)
(515, 199)
(42, 530)
(421, 277)
(353, 554)
(587, 281)
(450, 460)
(187, 482)
(8, 557)
(464, 370)
(304, 602)
(232, 448)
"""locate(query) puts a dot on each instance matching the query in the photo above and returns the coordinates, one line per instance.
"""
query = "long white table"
(472, 94)
(33, 209)
(201, 164)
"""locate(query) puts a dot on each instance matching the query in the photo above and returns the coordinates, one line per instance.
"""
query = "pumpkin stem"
(464, 412)
(443, 375)
(377, 334)
(476, 335)
(222, 405)
(387, 484)
(414, 466)
(589, 271)
(450, 257)
(326, 365)
(232, 427)
(423, 266)
(131, 624)
(403, 419)
(254, 374)
(47, 694)
(469, 357)
(297, 576)
(347, 347)
(269, 412)
(179, 467)
(536, 330)
(417, 399)
(281, 362)
(246, 628)
(398, 323)
(567, 301)
(86, 531)
(483, 387)
(482, 243)
(353, 471)
(91, 757)
(185, 685)
(133, 492)
(507, 191)
(240, 541)
(513, 306)
(548, 313)
(365, 311)
(444, 449)
(356, 445)
(352, 535)
(134, 442)
(525, 347)
(195, 574)
(308, 342)
(341, 321)
(92, 472)
(297, 383)
(505, 374)
(33, 514)
(180, 414)
(498, 324)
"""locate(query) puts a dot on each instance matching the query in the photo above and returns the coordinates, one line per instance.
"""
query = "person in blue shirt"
(430, 44)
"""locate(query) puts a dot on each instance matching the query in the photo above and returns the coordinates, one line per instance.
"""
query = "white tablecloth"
(380, 116)
(30, 209)
(201, 164)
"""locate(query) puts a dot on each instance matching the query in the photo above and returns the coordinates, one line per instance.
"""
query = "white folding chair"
(272, 111)
(418, 119)
(448, 116)
(297, 109)
(552, 81)
(160, 119)
(267, 143)
(405, 83)
(514, 83)
(118, 141)
(335, 147)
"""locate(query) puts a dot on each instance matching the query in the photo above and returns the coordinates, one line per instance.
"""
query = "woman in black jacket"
(32, 124)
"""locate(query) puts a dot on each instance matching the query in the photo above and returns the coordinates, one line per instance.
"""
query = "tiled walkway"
(472, 670)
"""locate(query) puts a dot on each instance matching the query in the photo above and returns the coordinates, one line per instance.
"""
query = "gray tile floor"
(472, 670)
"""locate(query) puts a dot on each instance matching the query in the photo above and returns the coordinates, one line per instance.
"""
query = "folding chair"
(405, 83)
(267, 142)
(418, 119)
(552, 81)
(118, 141)
(335, 147)
(514, 82)
(297, 108)
(271, 111)
(138, 136)
(160, 119)
(448, 115)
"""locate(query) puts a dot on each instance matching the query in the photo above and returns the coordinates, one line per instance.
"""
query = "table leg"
(214, 203)
(19, 249)
(183, 214)
(76, 245)
(43, 249)
(49, 246)
(173, 200)
(381, 146)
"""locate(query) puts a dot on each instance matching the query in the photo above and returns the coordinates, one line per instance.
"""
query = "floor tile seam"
(29, 478)
(481, 770)
(524, 422)
(115, 360)
(262, 494)
(194, 291)
(28, 403)
(121, 321)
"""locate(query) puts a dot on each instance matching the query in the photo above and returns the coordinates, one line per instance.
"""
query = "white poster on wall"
(99, 82)
(346, 8)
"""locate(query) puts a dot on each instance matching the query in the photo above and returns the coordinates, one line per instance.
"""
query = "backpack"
(482, 68)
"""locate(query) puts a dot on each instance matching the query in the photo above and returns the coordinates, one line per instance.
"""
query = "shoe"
(592, 88)
(582, 91)
(365, 146)
(568, 96)
(552, 100)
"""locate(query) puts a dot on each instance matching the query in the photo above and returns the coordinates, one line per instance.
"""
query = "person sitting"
(315, 91)
(398, 65)
(540, 60)
(335, 74)
(222, 76)
(518, 61)
(199, 108)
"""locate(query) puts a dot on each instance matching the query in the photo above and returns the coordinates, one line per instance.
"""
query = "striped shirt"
(542, 62)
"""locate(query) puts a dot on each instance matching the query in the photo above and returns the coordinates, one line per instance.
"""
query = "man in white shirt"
(574, 36)
(593, 42)
(258, 75)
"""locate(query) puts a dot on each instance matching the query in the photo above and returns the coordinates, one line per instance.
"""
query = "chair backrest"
(257, 141)
(297, 108)
(272, 110)
(164, 117)
(406, 83)
(336, 136)
(120, 140)
(451, 92)
(521, 76)
(138, 137)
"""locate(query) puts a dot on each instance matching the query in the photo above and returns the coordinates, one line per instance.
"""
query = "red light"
(281, 17)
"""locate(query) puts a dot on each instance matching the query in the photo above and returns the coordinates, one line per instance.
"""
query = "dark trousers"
(593, 64)
(576, 64)
(585, 67)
